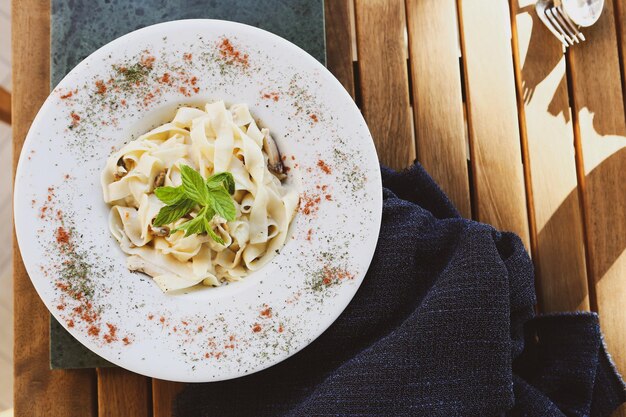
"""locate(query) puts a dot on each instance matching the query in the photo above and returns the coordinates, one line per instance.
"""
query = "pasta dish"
(201, 199)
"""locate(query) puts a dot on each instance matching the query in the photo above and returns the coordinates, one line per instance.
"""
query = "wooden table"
(517, 133)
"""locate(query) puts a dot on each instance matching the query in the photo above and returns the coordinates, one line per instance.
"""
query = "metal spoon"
(583, 12)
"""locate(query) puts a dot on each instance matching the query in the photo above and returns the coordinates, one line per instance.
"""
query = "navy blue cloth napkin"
(443, 325)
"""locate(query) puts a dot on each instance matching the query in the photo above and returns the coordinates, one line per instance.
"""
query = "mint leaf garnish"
(193, 226)
(170, 195)
(224, 179)
(222, 203)
(194, 185)
(210, 232)
(213, 196)
(171, 213)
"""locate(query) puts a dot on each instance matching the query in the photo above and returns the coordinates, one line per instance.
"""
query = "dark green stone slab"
(81, 26)
(67, 352)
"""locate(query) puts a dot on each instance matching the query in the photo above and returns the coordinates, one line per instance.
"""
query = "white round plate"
(207, 334)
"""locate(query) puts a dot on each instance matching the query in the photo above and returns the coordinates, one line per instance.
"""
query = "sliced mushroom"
(159, 180)
(274, 163)
(120, 170)
(162, 231)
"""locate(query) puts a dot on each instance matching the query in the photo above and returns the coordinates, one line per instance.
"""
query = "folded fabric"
(443, 325)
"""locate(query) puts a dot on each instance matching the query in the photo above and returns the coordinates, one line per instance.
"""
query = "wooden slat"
(5, 106)
(437, 97)
(163, 396)
(600, 131)
(123, 393)
(339, 42)
(546, 128)
(498, 180)
(37, 390)
(380, 31)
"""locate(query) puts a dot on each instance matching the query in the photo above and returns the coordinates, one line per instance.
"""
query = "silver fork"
(565, 17)
(558, 21)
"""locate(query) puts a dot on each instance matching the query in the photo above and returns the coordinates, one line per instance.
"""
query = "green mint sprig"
(212, 195)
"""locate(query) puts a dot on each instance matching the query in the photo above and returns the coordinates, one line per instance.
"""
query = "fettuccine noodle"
(216, 139)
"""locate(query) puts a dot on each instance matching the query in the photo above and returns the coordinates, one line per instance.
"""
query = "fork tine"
(554, 31)
(558, 27)
(569, 22)
(556, 12)
(540, 7)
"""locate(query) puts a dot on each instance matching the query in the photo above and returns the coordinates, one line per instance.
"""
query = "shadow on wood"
(614, 244)
(533, 75)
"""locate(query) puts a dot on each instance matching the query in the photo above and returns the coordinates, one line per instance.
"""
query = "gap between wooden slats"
(600, 139)
(495, 153)
(437, 98)
(383, 79)
(555, 219)
(38, 391)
